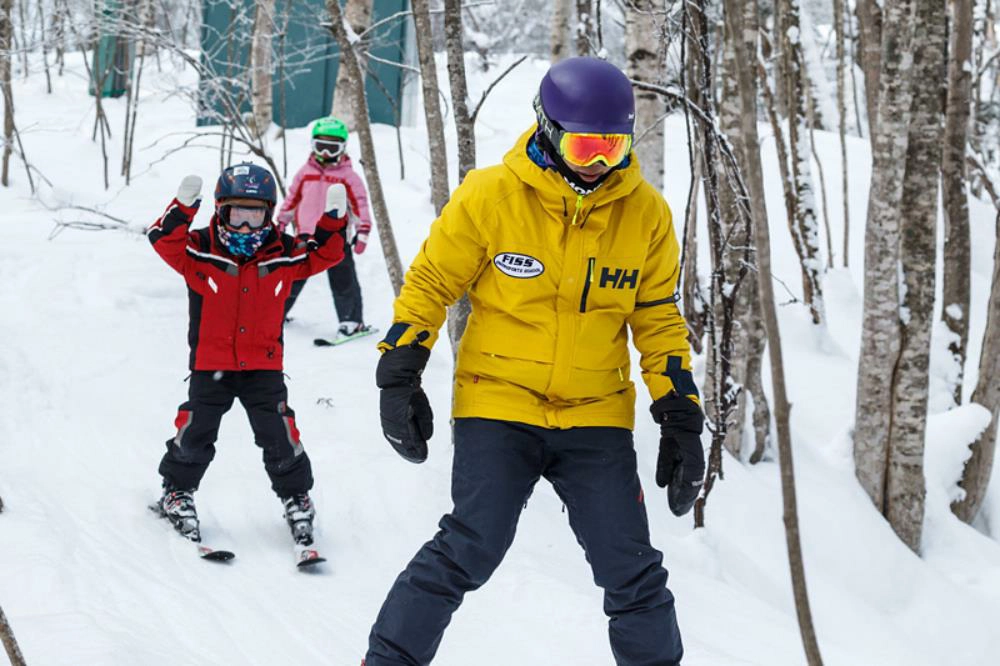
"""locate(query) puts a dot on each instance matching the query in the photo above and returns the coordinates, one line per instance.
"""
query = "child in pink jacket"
(303, 207)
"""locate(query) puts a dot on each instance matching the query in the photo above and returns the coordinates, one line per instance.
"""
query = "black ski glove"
(407, 420)
(681, 464)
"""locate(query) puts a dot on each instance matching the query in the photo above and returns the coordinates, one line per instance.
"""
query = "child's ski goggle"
(581, 149)
(238, 216)
(328, 149)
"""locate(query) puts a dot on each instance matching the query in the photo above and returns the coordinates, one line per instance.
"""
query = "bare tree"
(646, 56)
(6, 34)
(584, 29)
(870, 17)
(260, 66)
(458, 314)
(976, 474)
(744, 24)
(720, 169)
(559, 41)
(805, 231)
(432, 105)
(880, 327)
(146, 18)
(748, 336)
(350, 64)
(957, 251)
(359, 15)
(905, 486)
(899, 265)
(459, 88)
(838, 25)
(6, 633)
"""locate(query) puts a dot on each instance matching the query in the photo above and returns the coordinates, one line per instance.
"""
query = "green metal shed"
(305, 61)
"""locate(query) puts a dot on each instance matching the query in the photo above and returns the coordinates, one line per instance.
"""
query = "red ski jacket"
(237, 305)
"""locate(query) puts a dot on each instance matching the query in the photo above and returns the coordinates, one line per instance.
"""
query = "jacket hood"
(554, 191)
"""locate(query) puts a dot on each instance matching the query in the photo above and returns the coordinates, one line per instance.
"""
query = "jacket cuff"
(401, 334)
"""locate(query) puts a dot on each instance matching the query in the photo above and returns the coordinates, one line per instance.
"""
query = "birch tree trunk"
(458, 314)
(6, 33)
(741, 26)
(646, 58)
(905, 487)
(359, 16)
(432, 105)
(354, 82)
(880, 325)
(6, 633)
(691, 299)
(746, 66)
(261, 66)
(957, 251)
(748, 335)
(838, 24)
(976, 475)
(870, 17)
(805, 232)
(559, 38)
(459, 88)
(584, 30)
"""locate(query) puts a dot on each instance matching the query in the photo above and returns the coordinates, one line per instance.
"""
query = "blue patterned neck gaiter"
(242, 245)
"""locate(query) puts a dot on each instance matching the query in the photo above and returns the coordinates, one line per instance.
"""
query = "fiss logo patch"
(518, 265)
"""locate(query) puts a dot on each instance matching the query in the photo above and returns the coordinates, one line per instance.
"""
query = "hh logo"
(619, 278)
(518, 265)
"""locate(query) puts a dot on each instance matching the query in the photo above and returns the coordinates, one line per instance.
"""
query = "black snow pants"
(496, 465)
(345, 287)
(265, 398)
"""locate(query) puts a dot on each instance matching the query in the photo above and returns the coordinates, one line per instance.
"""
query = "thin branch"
(489, 89)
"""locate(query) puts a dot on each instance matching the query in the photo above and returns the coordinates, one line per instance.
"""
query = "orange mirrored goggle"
(580, 149)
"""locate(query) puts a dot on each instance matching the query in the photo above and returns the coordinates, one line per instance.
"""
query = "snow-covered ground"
(92, 367)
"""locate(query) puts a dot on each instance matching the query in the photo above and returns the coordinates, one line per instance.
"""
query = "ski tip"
(306, 557)
(213, 555)
(323, 342)
(311, 562)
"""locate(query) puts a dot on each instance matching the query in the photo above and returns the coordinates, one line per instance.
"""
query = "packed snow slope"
(93, 364)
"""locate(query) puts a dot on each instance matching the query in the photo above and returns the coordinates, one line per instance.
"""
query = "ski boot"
(299, 514)
(351, 329)
(177, 506)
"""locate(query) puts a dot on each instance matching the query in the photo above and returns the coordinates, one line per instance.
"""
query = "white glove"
(336, 200)
(189, 192)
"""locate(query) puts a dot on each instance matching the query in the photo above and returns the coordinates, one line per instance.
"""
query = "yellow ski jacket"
(556, 281)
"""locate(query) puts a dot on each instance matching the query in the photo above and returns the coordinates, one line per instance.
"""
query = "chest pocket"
(610, 285)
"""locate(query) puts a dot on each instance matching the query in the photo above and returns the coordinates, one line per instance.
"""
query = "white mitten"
(336, 201)
(189, 191)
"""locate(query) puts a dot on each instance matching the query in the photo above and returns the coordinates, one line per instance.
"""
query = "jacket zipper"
(586, 285)
(579, 205)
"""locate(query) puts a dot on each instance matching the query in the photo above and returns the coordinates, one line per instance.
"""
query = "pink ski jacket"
(307, 197)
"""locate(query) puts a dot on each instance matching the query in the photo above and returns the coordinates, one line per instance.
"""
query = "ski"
(335, 342)
(203, 550)
(307, 556)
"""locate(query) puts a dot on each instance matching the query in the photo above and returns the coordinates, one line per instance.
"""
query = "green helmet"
(330, 126)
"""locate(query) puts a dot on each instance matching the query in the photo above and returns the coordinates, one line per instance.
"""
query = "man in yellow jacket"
(563, 249)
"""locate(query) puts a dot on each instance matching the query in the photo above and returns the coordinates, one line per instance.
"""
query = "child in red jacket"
(328, 164)
(239, 272)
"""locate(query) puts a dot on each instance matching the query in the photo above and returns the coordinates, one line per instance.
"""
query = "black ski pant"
(346, 289)
(496, 465)
(265, 398)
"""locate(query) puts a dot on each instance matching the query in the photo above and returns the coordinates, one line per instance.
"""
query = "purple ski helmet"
(587, 95)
